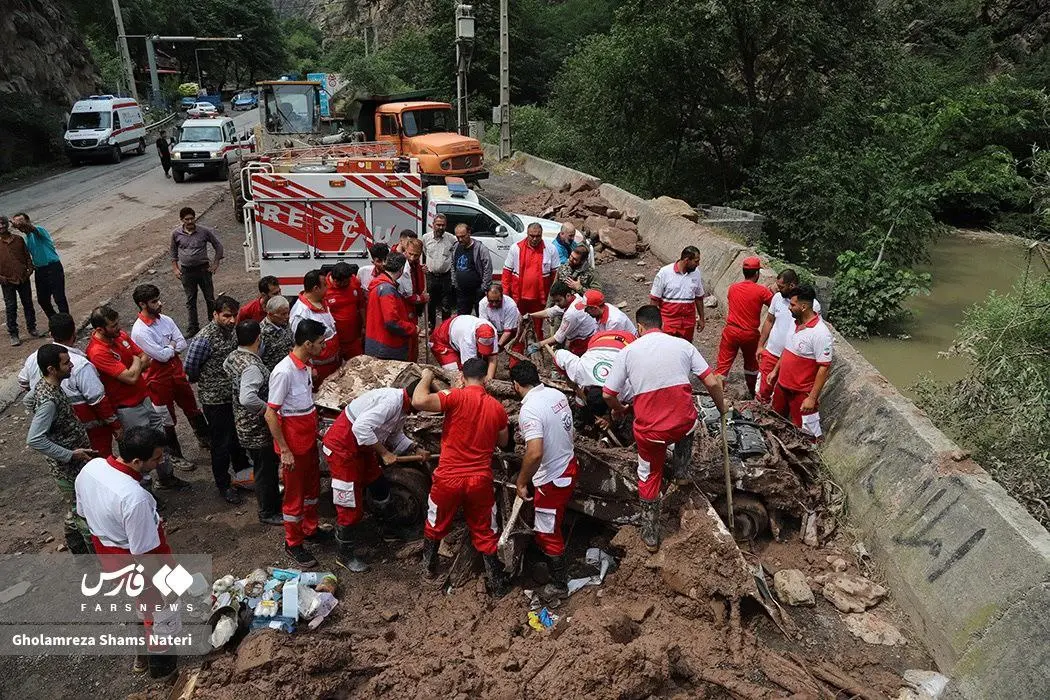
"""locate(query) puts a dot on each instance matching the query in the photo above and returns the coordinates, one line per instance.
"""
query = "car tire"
(177, 175)
(115, 155)
(141, 150)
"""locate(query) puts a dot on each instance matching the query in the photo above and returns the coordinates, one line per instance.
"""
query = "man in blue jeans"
(50, 277)
(16, 268)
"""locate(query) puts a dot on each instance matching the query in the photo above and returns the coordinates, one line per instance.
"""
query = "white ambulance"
(300, 221)
(104, 126)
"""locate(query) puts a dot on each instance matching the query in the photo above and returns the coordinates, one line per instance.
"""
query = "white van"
(207, 146)
(104, 126)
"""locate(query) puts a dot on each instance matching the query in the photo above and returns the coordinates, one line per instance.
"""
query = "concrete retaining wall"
(967, 562)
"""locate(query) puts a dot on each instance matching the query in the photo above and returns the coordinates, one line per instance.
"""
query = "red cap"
(592, 297)
(486, 339)
(752, 263)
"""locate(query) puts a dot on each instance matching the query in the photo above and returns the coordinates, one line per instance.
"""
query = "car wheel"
(177, 175)
(115, 155)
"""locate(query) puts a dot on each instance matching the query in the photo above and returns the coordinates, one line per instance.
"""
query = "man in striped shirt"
(658, 367)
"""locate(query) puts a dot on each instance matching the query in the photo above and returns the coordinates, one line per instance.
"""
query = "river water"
(965, 267)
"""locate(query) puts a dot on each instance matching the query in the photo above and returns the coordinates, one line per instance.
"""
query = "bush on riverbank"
(1001, 410)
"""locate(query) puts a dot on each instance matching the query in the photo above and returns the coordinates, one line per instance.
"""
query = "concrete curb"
(966, 561)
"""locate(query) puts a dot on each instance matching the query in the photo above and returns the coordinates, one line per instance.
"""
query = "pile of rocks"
(581, 204)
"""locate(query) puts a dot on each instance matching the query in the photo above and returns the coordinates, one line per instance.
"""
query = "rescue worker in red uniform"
(745, 300)
(417, 297)
(549, 467)
(292, 420)
(678, 291)
(345, 298)
(657, 367)
(528, 273)
(367, 436)
(125, 527)
(255, 309)
(475, 424)
(311, 304)
(803, 368)
(462, 338)
(388, 325)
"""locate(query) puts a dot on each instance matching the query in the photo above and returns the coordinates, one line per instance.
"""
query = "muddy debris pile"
(581, 204)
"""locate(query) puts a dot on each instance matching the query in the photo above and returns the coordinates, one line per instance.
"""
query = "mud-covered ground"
(633, 637)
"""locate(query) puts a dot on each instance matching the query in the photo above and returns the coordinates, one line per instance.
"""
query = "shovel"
(729, 479)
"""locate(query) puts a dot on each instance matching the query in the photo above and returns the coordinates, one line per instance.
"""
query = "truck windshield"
(88, 120)
(202, 134)
(428, 121)
(512, 222)
(291, 109)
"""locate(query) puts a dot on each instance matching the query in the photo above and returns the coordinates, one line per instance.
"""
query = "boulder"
(623, 242)
(614, 214)
(873, 629)
(593, 224)
(625, 225)
(631, 215)
(850, 593)
(597, 206)
(791, 587)
(585, 185)
(675, 207)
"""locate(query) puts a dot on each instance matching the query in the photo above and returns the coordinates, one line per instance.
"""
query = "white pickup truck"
(297, 222)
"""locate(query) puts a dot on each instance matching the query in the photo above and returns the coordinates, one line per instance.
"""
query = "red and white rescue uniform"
(460, 338)
(545, 414)
(166, 380)
(593, 367)
(808, 349)
(291, 396)
(658, 367)
(612, 319)
(676, 293)
(346, 305)
(504, 318)
(463, 478)
(375, 417)
(328, 362)
(528, 274)
(783, 327)
(124, 523)
(745, 300)
(576, 327)
(85, 391)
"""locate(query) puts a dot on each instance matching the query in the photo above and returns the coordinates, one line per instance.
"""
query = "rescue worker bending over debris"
(345, 299)
(588, 373)
(776, 330)
(475, 424)
(802, 370)
(292, 419)
(83, 387)
(368, 435)
(549, 466)
(678, 291)
(249, 382)
(658, 367)
(745, 300)
(311, 304)
(461, 338)
(56, 433)
(607, 316)
(577, 326)
(389, 328)
(501, 311)
(160, 338)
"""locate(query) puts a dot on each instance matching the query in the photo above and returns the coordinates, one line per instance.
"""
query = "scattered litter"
(872, 629)
(542, 619)
(925, 685)
(224, 627)
(595, 557)
(244, 479)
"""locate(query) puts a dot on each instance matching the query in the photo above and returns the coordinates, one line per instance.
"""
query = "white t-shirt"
(616, 320)
(291, 388)
(672, 287)
(118, 510)
(545, 413)
(378, 416)
(576, 324)
(82, 386)
(462, 335)
(505, 318)
(783, 323)
(301, 309)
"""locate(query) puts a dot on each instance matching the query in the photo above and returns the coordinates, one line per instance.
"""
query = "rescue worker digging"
(501, 311)
(475, 424)
(161, 339)
(367, 436)
(61, 438)
(745, 300)
(658, 367)
(577, 324)
(678, 291)
(549, 466)
(311, 304)
(292, 419)
(83, 387)
(461, 338)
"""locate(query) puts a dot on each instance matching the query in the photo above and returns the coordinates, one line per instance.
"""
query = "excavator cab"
(290, 109)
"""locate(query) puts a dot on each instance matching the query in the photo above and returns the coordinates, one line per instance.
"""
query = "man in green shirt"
(50, 276)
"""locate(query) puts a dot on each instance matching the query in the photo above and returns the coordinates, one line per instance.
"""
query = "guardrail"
(163, 122)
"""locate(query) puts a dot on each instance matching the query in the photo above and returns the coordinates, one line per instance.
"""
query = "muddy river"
(965, 267)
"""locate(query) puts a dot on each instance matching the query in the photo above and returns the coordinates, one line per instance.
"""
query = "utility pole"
(504, 80)
(125, 55)
(464, 52)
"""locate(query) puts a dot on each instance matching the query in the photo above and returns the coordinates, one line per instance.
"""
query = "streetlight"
(197, 56)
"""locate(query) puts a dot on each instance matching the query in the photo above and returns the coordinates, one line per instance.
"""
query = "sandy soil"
(390, 636)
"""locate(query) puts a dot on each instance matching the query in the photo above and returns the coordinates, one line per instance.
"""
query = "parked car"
(202, 110)
(187, 103)
(245, 100)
